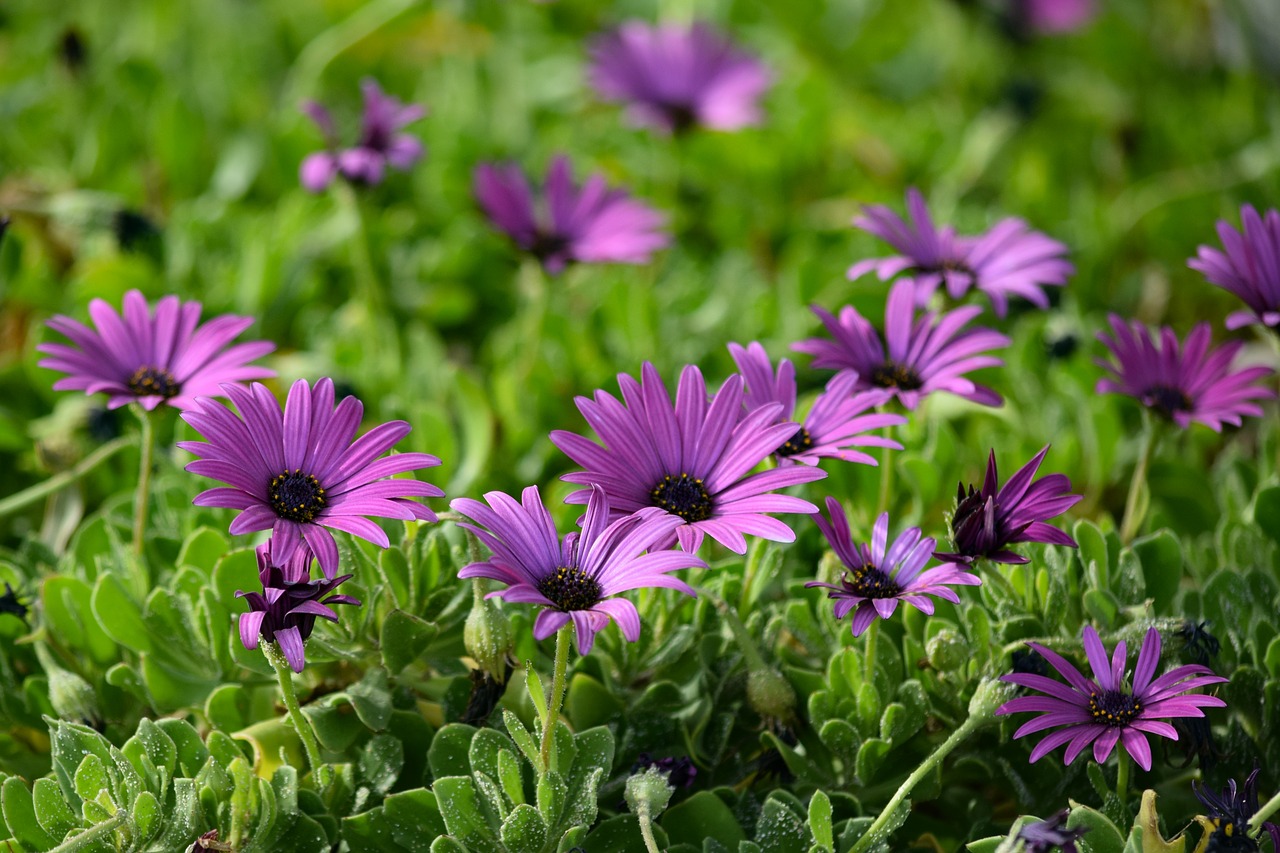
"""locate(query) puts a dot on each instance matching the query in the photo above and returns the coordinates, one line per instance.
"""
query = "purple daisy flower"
(691, 460)
(286, 610)
(1055, 17)
(1182, 382)
(879, 575)
(674, 78)
(1249, 268)
(1009, 260)
(153, 358)
(574, 579)
(380, 144)
(987, 521)
(928, 353)
(1229, 814)
(1100, 711)
(835, 424)
(1045, 835)
(298, 473)
(591, 223)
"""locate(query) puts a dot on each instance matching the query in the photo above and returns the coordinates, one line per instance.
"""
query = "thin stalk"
(1135, 508)
(646, 829)
(557, 694)
(31, 494)
(873, 632)
(142, 500)
(284, 675)
(366, 272)
(93, 836)
(1029, 588)
(1268, 809)
(745, 643)
(886, 474)
(1122, 776)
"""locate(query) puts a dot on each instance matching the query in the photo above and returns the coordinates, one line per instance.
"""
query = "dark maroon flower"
(1229, 814)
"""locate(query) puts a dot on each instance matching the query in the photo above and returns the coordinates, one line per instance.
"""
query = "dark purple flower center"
(148, 381)
(949, 265)
(870, 582)
(296, 496)
(1166, 400)
(684, 496)
(1113, 708)
(682, 115)
(901, 376)
(798, 443)
(570, 589)
(548, 245)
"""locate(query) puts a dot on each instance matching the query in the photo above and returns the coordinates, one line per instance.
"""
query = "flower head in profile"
(915, 357)
(878, 574)
(153, 357)
(298, 473)
(1101, 711)
(1249, 268)
(1181, 382)
(1045, 836)
(1229, 813)
(1010, 260)
(568, 223)
(286, 610)
(574, 579)
(692, 459)
(674, 78)
(987, 521)
(381, 144)
(837, 423)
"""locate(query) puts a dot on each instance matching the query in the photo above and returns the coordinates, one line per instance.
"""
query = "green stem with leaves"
(1139, 498)
(557, 694)
(284, 675)
(30, 495)
(142, 500)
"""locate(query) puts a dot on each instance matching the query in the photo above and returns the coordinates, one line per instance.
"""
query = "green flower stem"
(873, 631)
(30, 495)
(886, 471)
(94, 836)
(1122, 775)
(1268, 809)
(366, 272)
(142, 500)
(557, 694)
(1139, 498)
(646, 829)
(1029, 588)
(301, 725)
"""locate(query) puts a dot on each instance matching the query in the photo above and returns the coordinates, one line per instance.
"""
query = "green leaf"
(820, 821)
(523, 831)
(703, 815)
(621, 834)
(589, 703)
(91, 778)
(68, 609)
(871, 757)
(404, 638)
(380, 763)
(1103, 836)
(172, 690)
(509, 776)
(191, 751)
(1162, 567)
(522, 738)
(1102, 607)
(51, 810)
(460, 808)
(1266, 512)
(119, 615)
(450, 750)
(203, 548)
(781, 830)
(1093, 553)
(551, 791)
(146, 815)
(371, 698)
(20, 816)
(151, 740)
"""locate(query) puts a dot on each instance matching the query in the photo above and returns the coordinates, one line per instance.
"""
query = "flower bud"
(770, 694)
(487, 638)
(72, 697)
(989, 696)
(648, 793)
(947, 650)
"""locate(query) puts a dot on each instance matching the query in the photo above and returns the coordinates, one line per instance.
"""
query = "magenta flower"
(1249, 268)
(1009, 260)
(986, 522)
(1101, 711)
(380, 144)
(928, 353)
(153, 357)
(286, 610)
(574, 578)
(298, 473)
(692, 460)
(835, 424)
(674, 78)
(591, 223)
(879, 575)
(1181, 382)
(1054, 17)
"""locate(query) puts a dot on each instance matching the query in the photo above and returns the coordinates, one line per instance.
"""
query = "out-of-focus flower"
(878, 575)
(153, 358)
(1182, 382)
(1101, 711)
(691, 460)
(381, 144)
(680, 771)
(989, 520)
(1056, 17)
(1046, 835)
(1249, 268)
(574, 579)
(1010, 260)
(836, 423)
(286, 610)
(298, 473)
(916, 355)
(568, 223)
(674, 78)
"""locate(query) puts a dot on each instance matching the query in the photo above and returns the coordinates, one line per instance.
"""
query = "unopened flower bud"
(648, 793)
(72, 697)
(487, 637)
(947, 650)
(770, 694)
(991, 694)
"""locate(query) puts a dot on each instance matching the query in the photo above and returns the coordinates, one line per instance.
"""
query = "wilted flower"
(835, 424)
(1229, 814)
(590, 224)
(1249, 268)
(1101, 711)
(879, 575)
(574, 579)
(915, 357)
(380, 144)
(1181, 382)
(674, 78)
(286, 610)
(1045, 835)
(155, 358)
(986, 522)
(691, 460)
(299, 474)
(1009, 260)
